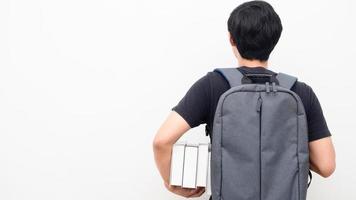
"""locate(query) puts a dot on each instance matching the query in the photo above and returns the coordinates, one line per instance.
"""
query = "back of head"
(255, 29)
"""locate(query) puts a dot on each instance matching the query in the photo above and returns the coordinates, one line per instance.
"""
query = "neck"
(252, 63)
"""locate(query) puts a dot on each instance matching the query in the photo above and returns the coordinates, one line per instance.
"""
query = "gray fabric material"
(260, 145)
(232, 75)
(285, 80)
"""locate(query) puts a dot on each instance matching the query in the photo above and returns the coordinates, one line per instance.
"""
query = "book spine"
(202, 173)
(190, 167)
(177, 165)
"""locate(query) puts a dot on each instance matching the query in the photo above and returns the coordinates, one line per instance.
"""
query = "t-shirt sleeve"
(194, 106)
(317, 126)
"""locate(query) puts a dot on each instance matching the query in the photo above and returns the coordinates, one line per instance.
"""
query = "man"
(254, 30)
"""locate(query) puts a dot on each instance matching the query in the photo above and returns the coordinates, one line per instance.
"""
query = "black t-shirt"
(199, 104)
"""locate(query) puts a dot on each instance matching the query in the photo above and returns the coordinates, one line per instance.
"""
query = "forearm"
(170, 131)
(162, 154)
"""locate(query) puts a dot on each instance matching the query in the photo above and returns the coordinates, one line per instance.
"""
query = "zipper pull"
(259, 104)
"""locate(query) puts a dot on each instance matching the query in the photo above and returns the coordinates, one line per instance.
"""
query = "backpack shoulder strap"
(285, 80)
(232, 75)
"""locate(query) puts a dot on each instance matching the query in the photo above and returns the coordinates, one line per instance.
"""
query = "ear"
(231, 40)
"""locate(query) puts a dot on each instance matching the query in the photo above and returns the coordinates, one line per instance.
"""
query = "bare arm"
(322, 156)
(169, 132)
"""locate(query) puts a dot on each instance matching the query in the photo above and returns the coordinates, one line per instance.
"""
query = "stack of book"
(190, 165)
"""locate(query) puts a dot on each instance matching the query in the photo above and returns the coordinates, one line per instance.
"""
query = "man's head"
(255, 29)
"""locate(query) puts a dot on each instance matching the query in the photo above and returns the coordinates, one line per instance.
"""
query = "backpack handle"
(259, 75)
(248, 78)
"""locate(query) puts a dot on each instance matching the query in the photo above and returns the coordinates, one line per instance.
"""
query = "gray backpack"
(259, 140)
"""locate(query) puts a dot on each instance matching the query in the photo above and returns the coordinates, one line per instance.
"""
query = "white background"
(84, 85)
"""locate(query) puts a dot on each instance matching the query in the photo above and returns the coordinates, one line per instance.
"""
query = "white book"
(177, 164)
(190, 166)
(203, 162)
(208, 187)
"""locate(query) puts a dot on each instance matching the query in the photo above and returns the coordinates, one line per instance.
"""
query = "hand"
(185, 192)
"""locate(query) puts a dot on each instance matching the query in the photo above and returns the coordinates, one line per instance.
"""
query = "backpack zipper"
(259, 104)
(259, 110)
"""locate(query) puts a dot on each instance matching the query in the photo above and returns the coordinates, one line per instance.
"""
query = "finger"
(190, 192)
(185, 192)
(197, 193)
(202, 191)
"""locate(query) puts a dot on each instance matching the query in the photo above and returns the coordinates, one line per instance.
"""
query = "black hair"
(255, 29)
